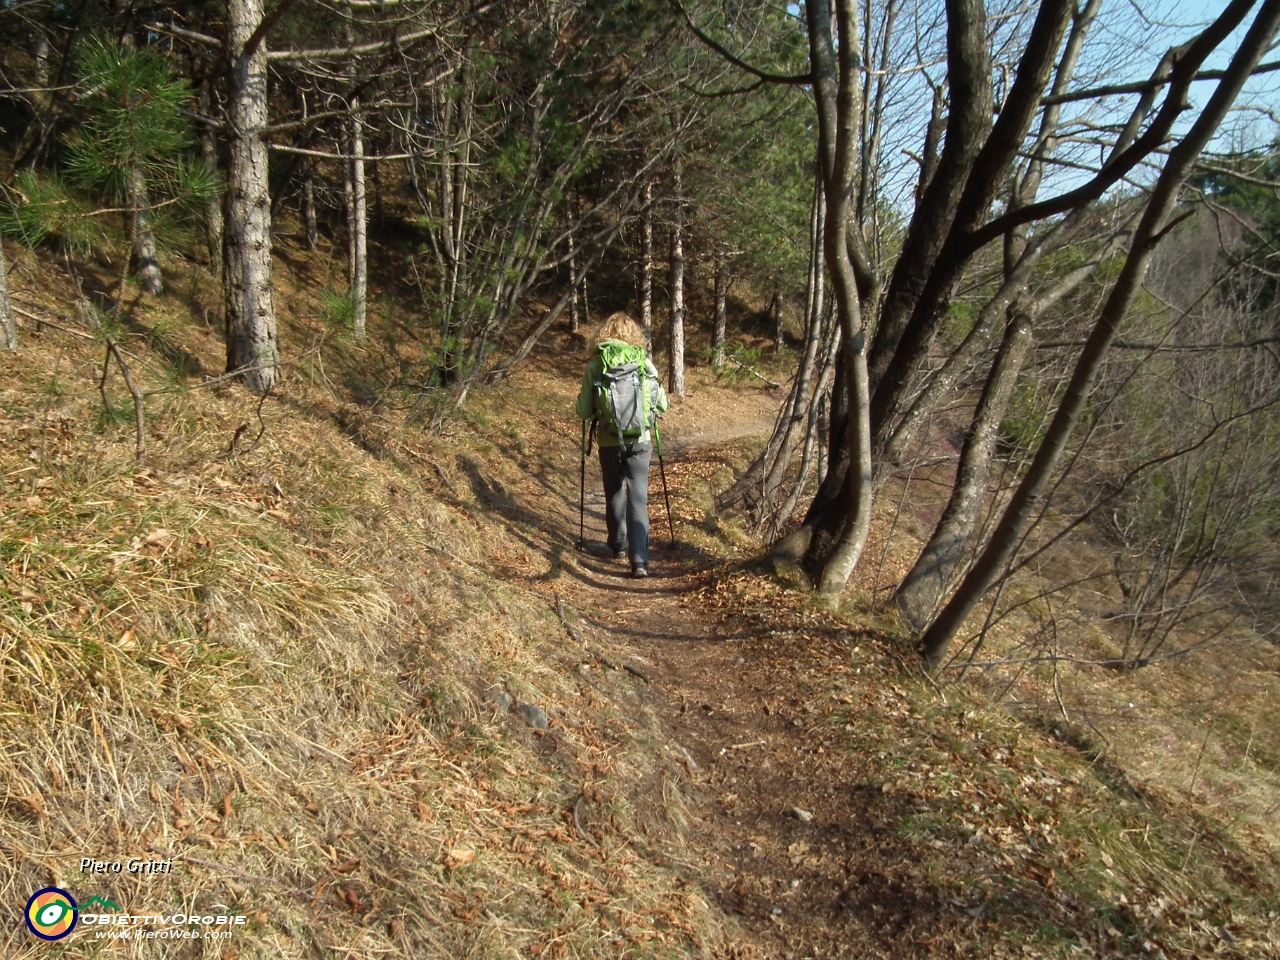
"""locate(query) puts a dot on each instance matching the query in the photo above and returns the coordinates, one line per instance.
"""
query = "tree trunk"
(309, 222)
(574, 318)
(925, 585)
(769, 468)
(312, 225)
(969, 232)
(675, 379)
(143, 262)
(8, 322)
(969, 120)
(722, 296)
(1009, 530)
(209, 154)
(796, 412)
(775, 314)
(29, 148)
(359, 226)
(252, 344)
(813, 446)
(835, 531)
(968, 123)
(810, 544)
(454, 208)
(646, 269)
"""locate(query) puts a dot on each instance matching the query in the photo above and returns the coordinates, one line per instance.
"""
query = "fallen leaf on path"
(458, 857)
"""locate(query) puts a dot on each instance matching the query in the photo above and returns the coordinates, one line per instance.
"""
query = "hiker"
(625, 438)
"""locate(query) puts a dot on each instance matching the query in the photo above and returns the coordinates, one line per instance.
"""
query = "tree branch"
(183, 33)
(328, 155)
(795, 80)
(375, 46)
(265, 24)
(1144, 86)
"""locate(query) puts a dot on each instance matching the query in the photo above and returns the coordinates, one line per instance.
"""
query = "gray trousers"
(625, 472)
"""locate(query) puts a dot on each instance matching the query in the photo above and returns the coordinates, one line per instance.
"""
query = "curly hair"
(618, 326)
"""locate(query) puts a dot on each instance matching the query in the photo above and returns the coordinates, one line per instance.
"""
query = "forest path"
(783, 833)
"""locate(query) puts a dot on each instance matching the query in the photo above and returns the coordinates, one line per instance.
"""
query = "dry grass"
(1051, 841)
(270, 664)
(1165, 807)
(271, 661)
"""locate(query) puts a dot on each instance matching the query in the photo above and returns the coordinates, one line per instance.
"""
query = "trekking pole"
(588, 437)
(662, 471)
(582, 490)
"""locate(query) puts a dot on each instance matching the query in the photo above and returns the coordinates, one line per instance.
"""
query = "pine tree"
(133, 142)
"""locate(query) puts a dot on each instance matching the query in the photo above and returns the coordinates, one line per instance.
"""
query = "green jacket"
(586, 407)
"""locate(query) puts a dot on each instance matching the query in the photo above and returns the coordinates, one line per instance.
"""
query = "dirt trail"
(836, 809)
(785, 835)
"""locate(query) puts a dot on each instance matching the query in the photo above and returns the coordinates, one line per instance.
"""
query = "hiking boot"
(620, 553)
(639, 570)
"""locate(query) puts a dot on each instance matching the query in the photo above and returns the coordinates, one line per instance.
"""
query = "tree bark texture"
(813, 448)
(809, 544)
(143, 261)
(252, 344)
(915, 309)
(798, 407)
(968, 123)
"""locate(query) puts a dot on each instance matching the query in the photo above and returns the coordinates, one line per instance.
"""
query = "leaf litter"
(271, 667)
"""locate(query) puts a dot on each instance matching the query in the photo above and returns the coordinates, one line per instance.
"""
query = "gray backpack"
(623, 396)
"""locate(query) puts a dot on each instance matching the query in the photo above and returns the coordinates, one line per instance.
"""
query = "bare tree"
(1152, 227)
(927, 580)
(675, 369)
(837, 94)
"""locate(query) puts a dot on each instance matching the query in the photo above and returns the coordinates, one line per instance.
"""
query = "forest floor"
(836, 804)
(300, 653)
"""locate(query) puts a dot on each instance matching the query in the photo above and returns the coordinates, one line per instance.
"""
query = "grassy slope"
(272, 662)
